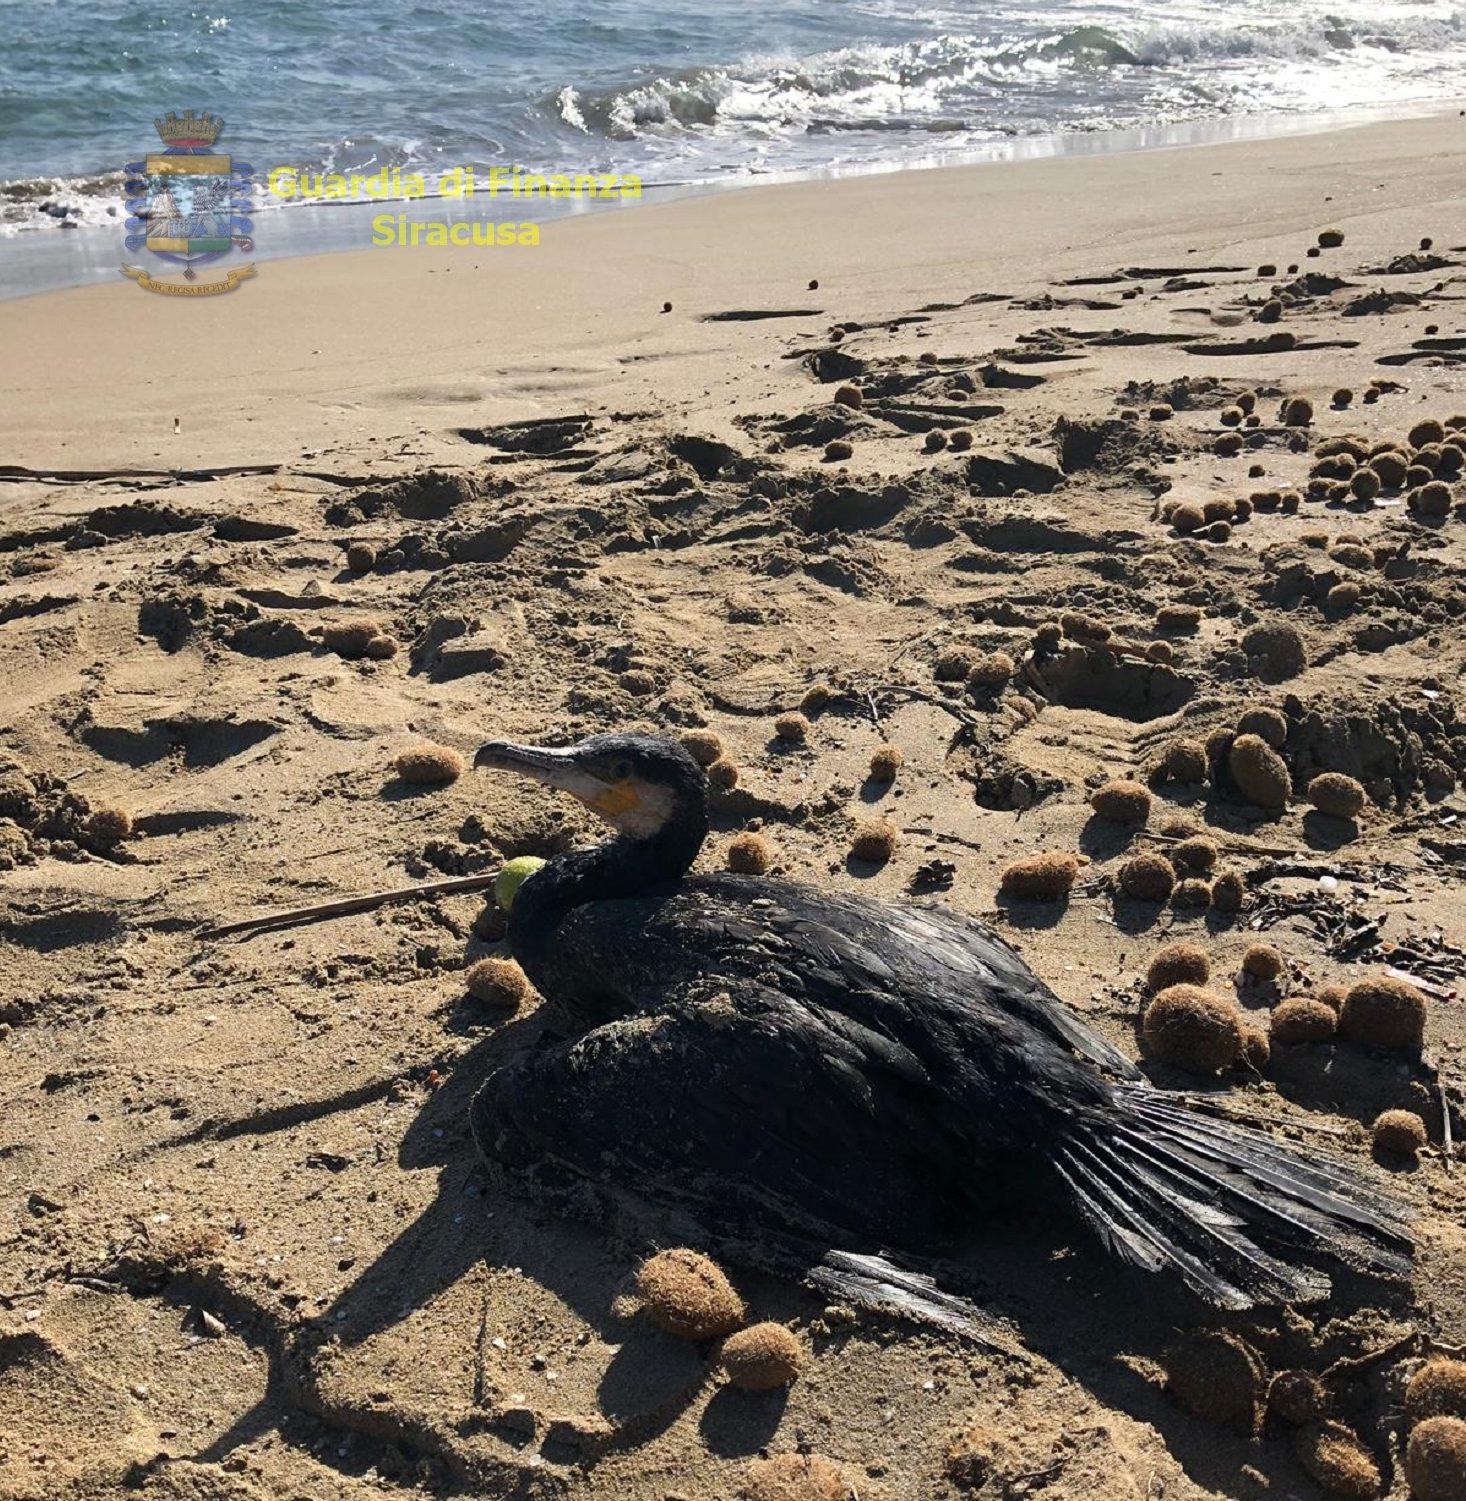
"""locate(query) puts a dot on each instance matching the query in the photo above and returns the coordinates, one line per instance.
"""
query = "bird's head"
(640, 784)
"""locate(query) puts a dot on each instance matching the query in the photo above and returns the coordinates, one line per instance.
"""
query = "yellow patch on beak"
(614, 801)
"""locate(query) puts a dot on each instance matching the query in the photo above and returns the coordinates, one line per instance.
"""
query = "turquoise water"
(726, 93)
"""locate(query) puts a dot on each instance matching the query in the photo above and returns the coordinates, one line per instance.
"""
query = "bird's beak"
(555, 768)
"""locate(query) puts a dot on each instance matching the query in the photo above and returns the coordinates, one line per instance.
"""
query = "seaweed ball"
(1045, 877)
(723, 774)
(1178, 964)
(1185, 760)
(1435, 1460)
(1222, 508)
(1195, 855)
(1121, 802)
(1178, 618)
(1162, 652)
(1231, 416)
(1427, 457)
(687, 1294)
(108, 825)
(1291, 500)
(1276, 650)
(793, 1477)
(1260, 772)
(1228, 892)
(361, 557)
(960, 439)
(1426, 242)
(1247, 401)
(1048, 636)
(885, 762)
(1193, 1029)
(1262, 961)
(1399, 1133)
(1416, 476)
(348, 638)
(1330, 239)
(816, 698)
(750, 854)
(1297, 1397)
(1371, 395)
(1438, 1388)
(991, 669)
(382, 648)
(1364, 484)
(1270, 724)
(1217, 1375)
(1390, 468)
(1219, 531)
(929, 357)
(1271, 311)
(839, 449)
(1267, 269)
(1298, 412)
(704, 746)
(1352, 555)
(1334, 793)
(1084, 628)
(1161, 412)
(1299, 1020)
(428, 764)
(935, 441)
(1385, 1014)
(1332, 996)
(1432, 500)
(792, 729)
(1147, 878)
(1191, 891)
(1228, 445)
(875, 840)
(497, 982)
(849, 396)
(1338, 1460)
(763, 1357)
(1429, 431)
(1257, 1050)
(1343, 396)
(1188, 518)
(953, 665)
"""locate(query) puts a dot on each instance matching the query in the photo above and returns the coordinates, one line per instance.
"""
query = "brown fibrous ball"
(885, 762)
(1193, 1029)
(1257, 1050)
(704, 746)
(991, 669)
(1262, 961)
(1299, 1020)
(1332, 996)
(875, 840)
(361, 557)
(429, 764)
(1297, 1397)
(1185, 760)
(1429, 431)
(1121, 801)
(953, 664)
(1191, 891)
(1048, 636)
(1228, 892)
(792, 728)
(1438, 1388)
(839, 449)
(497, 982)
(723, 774)
(1260, 772)
(1330, 239)
(750, 854)
(1195, 855)
(1178, 964)
(1270, 724)
(1044, 877)
(688, 1294)
(1218, 1376)
(959, 440)
(1276, 649)
(1298, 412)
(1147, 878)
(1399, 1133)
(1337, 1459)
(1385, 1014)
(849, 396)
(348, 638)
(1178, 618)
(763, 1357)
(1435, 1460)
(108, 825)
(1188, 518)
(382, 648)
(1084, 628)
(1338, 795)
(816, 698)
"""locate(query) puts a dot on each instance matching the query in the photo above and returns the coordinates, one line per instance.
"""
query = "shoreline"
(29, 261)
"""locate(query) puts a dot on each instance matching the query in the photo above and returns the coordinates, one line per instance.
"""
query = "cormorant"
(848, 1071)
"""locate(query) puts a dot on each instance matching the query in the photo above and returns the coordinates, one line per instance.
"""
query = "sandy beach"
(887, 428)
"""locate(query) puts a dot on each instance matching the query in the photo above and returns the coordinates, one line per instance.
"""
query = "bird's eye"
(620, 771)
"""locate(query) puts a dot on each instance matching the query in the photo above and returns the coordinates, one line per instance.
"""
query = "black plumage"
(857, 1073)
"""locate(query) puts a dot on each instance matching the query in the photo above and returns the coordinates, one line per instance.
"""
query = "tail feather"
(1164, 1187)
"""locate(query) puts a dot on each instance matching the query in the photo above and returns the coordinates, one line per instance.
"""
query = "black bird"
(849, 1071)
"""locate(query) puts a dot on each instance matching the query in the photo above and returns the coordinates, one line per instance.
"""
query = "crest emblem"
(189, 205)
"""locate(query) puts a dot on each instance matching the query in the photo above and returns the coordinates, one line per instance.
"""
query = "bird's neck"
(620, 867)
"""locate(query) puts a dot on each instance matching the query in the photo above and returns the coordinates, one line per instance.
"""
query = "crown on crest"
(189, 129)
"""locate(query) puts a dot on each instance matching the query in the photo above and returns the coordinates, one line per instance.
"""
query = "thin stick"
(349, 904)
(1448, 1146)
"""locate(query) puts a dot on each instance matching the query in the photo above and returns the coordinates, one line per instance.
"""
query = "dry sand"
(270, 1130)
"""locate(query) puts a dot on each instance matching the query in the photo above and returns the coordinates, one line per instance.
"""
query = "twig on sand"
(343, 906)
(1448, 1145)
